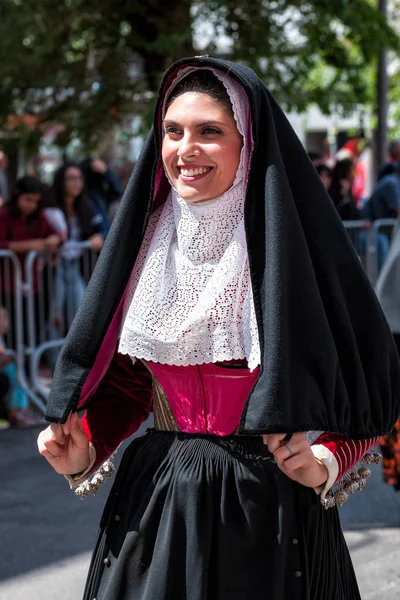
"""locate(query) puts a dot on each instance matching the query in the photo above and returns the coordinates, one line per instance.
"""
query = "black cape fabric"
(328, 361)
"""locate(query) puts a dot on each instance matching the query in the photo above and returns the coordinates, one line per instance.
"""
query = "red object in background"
(353, 149)
(360, 182)
(356, 146)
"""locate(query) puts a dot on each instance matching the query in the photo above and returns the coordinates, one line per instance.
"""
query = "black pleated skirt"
(195, 517)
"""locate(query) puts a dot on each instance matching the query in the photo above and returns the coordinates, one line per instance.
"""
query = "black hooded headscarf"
(328, 361)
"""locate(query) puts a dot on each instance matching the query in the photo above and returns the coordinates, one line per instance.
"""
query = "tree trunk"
(381, 104)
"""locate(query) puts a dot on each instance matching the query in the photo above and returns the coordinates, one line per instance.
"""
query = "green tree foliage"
(86, 63)
(307, 51)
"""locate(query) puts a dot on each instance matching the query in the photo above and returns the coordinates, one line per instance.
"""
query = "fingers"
(274, 441)
(48, 446)
(65, 447)
(295, 458)
(76, 431)
(52, 442)
(298, 461)
(285, 451)
(52, 450)
(306, 470)
(56, 433)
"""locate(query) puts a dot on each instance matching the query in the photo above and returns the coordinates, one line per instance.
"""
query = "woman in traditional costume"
(229, 301)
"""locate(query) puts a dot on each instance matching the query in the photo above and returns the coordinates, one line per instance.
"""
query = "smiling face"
(201, 147)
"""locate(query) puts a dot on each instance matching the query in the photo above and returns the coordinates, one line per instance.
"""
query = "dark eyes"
(211, 131)
(171, 130)
(206, 131)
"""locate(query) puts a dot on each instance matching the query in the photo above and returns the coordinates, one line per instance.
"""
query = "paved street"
(46, 533)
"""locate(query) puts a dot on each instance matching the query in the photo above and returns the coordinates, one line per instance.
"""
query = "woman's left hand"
(296, 459)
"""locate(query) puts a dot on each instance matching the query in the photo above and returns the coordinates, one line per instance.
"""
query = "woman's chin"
(192, 196)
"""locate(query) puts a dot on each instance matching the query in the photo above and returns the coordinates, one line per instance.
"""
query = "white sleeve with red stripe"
(339, 455)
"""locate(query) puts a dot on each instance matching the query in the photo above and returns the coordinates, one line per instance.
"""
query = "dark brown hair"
(81, 202)
(203, 82)
(27, 185)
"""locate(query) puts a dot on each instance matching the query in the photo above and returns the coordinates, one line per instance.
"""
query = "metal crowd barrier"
(38, 306)
(358, 236)
(378, 245)
(55, 285)
(13, 320)
(372, 245)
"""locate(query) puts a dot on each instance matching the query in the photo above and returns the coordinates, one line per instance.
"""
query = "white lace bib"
(189, 299)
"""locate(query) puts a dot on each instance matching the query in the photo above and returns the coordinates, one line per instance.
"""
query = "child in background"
(17, 403)
(4, 387)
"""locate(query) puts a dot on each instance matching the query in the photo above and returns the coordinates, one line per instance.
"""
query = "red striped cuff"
(346, 452)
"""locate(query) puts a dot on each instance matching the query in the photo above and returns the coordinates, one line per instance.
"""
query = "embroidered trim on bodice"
(163, 417)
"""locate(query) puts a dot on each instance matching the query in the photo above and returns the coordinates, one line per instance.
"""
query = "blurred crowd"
(346, 182)
(79, 206)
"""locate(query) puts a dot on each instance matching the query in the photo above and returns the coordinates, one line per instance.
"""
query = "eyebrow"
(170, 122)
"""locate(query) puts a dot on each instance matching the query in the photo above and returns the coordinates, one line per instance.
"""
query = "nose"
(188, 146)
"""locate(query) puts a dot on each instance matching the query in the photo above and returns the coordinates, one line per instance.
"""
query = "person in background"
(385, 200)
(23, 224)
(3, 178)
(390, 167)
(388, 291)
(80, 224)
(18, 413)
(4, 387)
(326, 175)
(390, 447)
(103, 188)
(340, 190)
(25, 228)
(353, 150)
(387, 287)
(342, 196)
(316, 158)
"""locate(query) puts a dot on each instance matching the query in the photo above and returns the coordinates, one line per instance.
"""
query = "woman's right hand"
(65, 447)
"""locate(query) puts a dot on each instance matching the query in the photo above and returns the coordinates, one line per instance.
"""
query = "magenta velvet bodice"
(206, 398)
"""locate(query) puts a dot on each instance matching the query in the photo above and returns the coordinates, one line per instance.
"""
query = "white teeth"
(193, 172)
